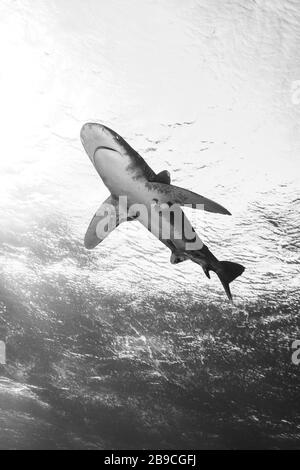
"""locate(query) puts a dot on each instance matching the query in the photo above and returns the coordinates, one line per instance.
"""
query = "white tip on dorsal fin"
(170, 194)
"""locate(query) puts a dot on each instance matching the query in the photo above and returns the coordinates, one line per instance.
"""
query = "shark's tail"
(225, 270)
(227, 273)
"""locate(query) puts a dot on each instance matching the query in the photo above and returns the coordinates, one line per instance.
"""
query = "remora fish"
(125, 173)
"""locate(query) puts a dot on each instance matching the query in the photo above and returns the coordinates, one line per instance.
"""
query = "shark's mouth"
(103, 147)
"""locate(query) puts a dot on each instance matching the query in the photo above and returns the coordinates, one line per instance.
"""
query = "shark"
(138, 193)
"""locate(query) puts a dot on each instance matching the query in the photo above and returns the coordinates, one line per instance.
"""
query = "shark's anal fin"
(109, 216)
(169, 194)
(177, 257)
(163, 177)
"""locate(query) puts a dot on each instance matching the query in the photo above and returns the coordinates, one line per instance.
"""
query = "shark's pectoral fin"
(107, 218)
(163, 177)
(170, 194)
(103, 219)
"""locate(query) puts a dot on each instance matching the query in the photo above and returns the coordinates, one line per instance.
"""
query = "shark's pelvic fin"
(170, 194)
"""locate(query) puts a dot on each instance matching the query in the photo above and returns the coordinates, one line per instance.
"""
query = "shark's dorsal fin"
(163, 177)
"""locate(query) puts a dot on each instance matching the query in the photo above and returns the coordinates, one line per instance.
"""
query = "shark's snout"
(90, 136)
(86, 132)
(94, 136)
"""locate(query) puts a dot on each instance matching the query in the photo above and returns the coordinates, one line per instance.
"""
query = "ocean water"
(116, 348)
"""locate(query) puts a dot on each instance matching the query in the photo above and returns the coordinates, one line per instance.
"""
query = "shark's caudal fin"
(227, 273)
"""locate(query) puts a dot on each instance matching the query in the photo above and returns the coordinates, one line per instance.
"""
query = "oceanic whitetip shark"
(130, 179)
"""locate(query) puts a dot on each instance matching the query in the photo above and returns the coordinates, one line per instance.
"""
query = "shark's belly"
(113, 170)
(170, 226)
